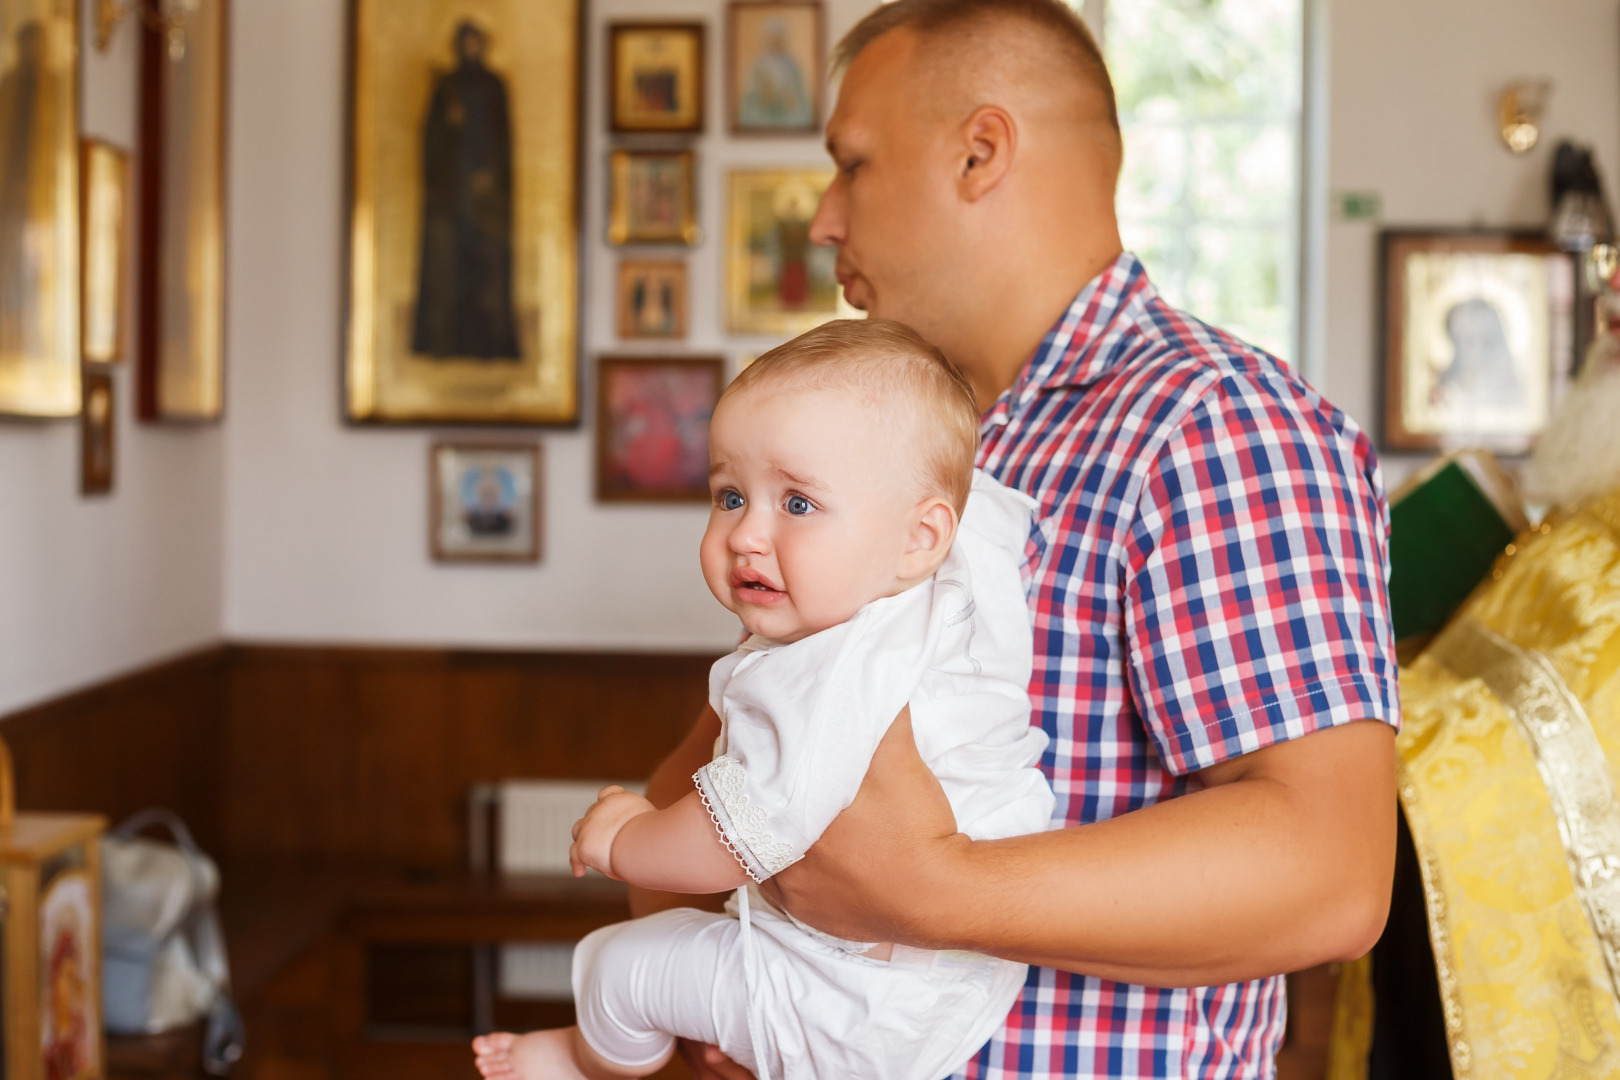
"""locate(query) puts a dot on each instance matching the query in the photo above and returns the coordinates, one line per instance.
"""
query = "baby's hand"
(594, 833)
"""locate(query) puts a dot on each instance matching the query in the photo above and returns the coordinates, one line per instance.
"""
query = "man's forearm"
(1275, 871)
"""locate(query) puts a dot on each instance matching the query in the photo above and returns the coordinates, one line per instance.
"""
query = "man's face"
(891, 208)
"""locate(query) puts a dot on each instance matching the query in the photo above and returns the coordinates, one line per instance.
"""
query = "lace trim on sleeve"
(742, 826)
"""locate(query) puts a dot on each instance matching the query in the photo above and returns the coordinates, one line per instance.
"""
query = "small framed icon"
(777, 281)
(96, 441)
(774, 61)
(1478, 338)
(652, 298)
(484, 502)
(652, 427)
(656, 77)
(653, 197)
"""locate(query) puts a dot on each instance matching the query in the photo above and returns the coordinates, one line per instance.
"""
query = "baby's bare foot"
(538, 1055)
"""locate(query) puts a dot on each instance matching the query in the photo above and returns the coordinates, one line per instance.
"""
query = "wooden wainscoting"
(366, 756)
(347, 756)
(151, 738)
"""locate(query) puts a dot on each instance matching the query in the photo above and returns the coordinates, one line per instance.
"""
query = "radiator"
(535, 819)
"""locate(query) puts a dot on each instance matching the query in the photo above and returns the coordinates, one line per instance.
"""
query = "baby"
(872, 568)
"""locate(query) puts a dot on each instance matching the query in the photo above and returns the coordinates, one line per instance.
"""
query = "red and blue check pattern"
(1208, 577)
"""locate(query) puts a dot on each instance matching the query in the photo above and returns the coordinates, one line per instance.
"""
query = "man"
(1213, 656)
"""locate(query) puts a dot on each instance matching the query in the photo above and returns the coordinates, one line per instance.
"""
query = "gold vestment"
(1507, 776)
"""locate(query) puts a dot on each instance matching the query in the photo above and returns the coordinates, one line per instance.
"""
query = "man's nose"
(827, 227)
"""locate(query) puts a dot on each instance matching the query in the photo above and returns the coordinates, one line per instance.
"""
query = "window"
(1209, 98)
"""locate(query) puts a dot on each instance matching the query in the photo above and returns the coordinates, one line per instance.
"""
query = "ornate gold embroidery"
(1434, 900)
(1570, 759)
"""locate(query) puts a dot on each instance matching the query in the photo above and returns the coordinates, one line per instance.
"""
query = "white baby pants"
(823, 1013)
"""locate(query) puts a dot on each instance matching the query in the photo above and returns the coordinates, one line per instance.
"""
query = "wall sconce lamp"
(168, 16)
(1518, 113)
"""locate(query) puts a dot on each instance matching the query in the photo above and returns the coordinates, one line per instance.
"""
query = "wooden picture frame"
(652, 299)
(39, 210)
(775, 66)
(463, 291)
(484, 502)
(98, 424)
(777, 282)
(103, 251)
(652, 427)
(1478, 330)
(656, 77)
(180, 344)
(653, 197)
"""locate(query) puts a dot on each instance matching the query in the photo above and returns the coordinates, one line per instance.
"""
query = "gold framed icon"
(656, 77)
(39, 211)
(463, 289)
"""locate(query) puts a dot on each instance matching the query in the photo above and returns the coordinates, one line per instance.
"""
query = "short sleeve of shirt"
(1255, 577)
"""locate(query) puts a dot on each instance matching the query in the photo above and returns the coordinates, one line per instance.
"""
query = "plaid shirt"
(1207, 575)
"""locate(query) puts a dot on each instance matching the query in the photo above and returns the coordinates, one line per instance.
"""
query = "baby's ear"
(932, 531)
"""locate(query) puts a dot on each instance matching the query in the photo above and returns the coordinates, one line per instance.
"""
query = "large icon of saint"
(464, 299)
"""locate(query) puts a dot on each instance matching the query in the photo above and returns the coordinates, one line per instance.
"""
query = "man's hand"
(594, 833)
(901, 821)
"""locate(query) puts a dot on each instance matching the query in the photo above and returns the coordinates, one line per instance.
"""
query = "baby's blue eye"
(730, 500)
(798, 505)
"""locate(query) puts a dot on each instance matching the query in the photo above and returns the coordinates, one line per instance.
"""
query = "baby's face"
(813, 513)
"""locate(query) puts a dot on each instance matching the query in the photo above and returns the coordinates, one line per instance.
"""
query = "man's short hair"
(938, 18)
(890, 365)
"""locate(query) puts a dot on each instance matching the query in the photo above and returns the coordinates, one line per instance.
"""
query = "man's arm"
(1283, 860)
(669, 783)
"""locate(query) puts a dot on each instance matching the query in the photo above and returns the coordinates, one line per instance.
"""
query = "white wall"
(1412, 117)
(326, 528)
(93, 587)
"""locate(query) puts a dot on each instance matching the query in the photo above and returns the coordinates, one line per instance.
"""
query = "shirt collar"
(1076, 351)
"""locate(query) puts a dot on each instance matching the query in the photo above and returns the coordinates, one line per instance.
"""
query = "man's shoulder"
(1212, 376)
(1176, 388)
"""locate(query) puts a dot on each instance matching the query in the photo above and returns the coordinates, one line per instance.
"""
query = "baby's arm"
(676, 849)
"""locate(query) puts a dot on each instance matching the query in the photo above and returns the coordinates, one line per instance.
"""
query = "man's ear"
(932, 531)
(989, 144)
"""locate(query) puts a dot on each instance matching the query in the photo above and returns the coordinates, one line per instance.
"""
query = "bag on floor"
(164, 963)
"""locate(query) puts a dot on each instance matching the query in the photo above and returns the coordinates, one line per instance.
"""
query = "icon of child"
(873, 568)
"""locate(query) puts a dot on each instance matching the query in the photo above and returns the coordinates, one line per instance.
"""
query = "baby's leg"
(556, 1054)
(637, 986)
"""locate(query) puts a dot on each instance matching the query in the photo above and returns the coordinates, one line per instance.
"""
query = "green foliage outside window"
(1209, 100)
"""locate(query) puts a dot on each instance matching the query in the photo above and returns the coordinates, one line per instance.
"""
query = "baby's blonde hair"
(889, 364)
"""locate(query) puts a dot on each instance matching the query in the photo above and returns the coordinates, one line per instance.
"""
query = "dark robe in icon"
(464, 300)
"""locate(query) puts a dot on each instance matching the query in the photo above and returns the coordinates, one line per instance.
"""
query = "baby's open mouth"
(757, 586)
